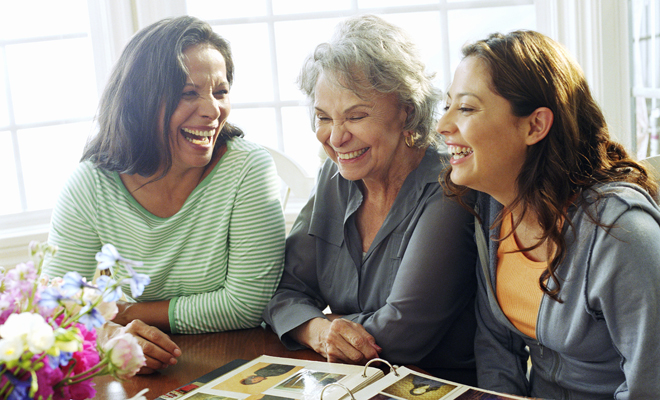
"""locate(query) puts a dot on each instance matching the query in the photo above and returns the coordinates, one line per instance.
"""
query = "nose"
(339, 134)
(445, 125)
(213, 108)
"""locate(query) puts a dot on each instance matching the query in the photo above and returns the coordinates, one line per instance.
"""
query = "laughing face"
(487, 142)
(364, 138)
(202, 110)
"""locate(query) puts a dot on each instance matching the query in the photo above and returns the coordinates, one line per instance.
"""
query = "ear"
(540, 122)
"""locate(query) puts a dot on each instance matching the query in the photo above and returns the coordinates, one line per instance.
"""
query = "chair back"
(653, 163)
(296, 180)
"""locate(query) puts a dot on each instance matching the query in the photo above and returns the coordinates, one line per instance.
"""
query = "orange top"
(518, 290)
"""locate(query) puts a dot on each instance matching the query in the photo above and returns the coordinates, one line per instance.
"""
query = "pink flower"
(85, 359)
(125, 354)
(47, 379)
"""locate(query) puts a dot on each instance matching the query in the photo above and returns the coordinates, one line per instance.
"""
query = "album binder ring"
(393, 368)
(341, 386)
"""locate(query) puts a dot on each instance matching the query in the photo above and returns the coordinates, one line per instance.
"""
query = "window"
(271, 38)
(47, 99)
(55, 58)
(645, 17)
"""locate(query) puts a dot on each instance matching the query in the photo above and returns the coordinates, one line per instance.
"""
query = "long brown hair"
(150, 74)
(531, 70)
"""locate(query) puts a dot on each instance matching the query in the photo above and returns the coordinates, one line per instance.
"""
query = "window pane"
(425, 31)
(35, 18)
(10, 200)
(300, 140)
(258, 124)
(304, 6)
(392, 3)
(293, 48)
(214, 9)
(252, 66)
(476, 23)
(48, 156)
(52, 80)
(4, 110)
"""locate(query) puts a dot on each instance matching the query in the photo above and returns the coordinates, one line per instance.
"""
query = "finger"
(339, 349)
(154, 342)
(146, 371)
(156, 353)
(357, 338)
(154, 364)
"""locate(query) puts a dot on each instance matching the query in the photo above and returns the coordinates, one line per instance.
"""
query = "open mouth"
(458, 152)
(195, 136)
(352, 154)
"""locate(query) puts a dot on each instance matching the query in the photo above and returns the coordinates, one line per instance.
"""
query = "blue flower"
(138, 281)
(108, 256)
(62, 360)
(73, 282)
(51, 298)
(90, 317)
(21, 388)
(105, 284)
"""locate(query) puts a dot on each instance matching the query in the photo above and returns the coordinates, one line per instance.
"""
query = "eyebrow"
(463, 94)
(193, 84)
(349, 109)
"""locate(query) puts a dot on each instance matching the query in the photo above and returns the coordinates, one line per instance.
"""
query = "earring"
(410, 141)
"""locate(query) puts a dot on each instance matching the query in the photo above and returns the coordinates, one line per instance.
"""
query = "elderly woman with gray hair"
(378, 242)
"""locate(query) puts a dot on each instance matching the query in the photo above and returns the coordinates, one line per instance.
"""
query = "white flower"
(108, 310)
(125, 355)
(30, 328)
(11, 349)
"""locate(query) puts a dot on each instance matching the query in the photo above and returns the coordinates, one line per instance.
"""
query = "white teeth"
(351, 155)
(199, 133)
(205, 140)
(459, 151)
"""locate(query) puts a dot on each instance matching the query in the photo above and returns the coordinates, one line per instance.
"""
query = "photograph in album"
(279, 378)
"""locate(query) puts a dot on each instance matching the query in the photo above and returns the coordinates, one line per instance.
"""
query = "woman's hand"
(338, 340)
(159, 350)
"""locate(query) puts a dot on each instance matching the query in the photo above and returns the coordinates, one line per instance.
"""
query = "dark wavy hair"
(531, 70)
(143, 91)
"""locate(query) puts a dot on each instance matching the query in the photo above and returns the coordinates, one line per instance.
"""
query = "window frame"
(578, 24)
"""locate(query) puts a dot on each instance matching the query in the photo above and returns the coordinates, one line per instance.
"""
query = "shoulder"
(608, 202)
(431, 166)
(245, 157)
(241, 148)
(88, 178)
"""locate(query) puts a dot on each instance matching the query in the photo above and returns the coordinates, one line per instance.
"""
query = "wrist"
(310, 334)
(122, 317)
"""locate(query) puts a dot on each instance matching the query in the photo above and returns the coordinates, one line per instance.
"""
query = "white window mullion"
(111, 26)
(596, 33)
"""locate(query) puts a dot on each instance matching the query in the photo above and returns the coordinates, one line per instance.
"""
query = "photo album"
(278, 378)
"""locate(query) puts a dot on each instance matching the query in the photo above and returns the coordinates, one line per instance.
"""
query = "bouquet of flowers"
(48, 347)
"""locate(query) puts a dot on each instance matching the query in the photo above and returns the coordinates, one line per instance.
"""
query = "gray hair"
(367, 53)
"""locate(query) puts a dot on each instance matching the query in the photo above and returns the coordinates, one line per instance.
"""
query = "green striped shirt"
(218, 260)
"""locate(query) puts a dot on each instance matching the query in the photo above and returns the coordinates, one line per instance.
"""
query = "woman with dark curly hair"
(570, 276)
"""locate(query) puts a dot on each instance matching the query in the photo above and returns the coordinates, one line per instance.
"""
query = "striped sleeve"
(255, 260)
(72, 227)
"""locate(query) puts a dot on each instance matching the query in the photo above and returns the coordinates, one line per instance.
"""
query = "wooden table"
(200, 354)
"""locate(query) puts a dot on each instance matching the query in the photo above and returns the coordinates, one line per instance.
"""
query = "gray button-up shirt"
(414, 288)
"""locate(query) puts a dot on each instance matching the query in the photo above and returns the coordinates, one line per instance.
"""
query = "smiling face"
(202, 110)
(487, 142)
(365, 138)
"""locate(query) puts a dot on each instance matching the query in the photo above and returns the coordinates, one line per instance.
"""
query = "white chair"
(297, 180)
(653, 163)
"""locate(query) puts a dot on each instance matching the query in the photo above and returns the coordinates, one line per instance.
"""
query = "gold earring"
(410, 141)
